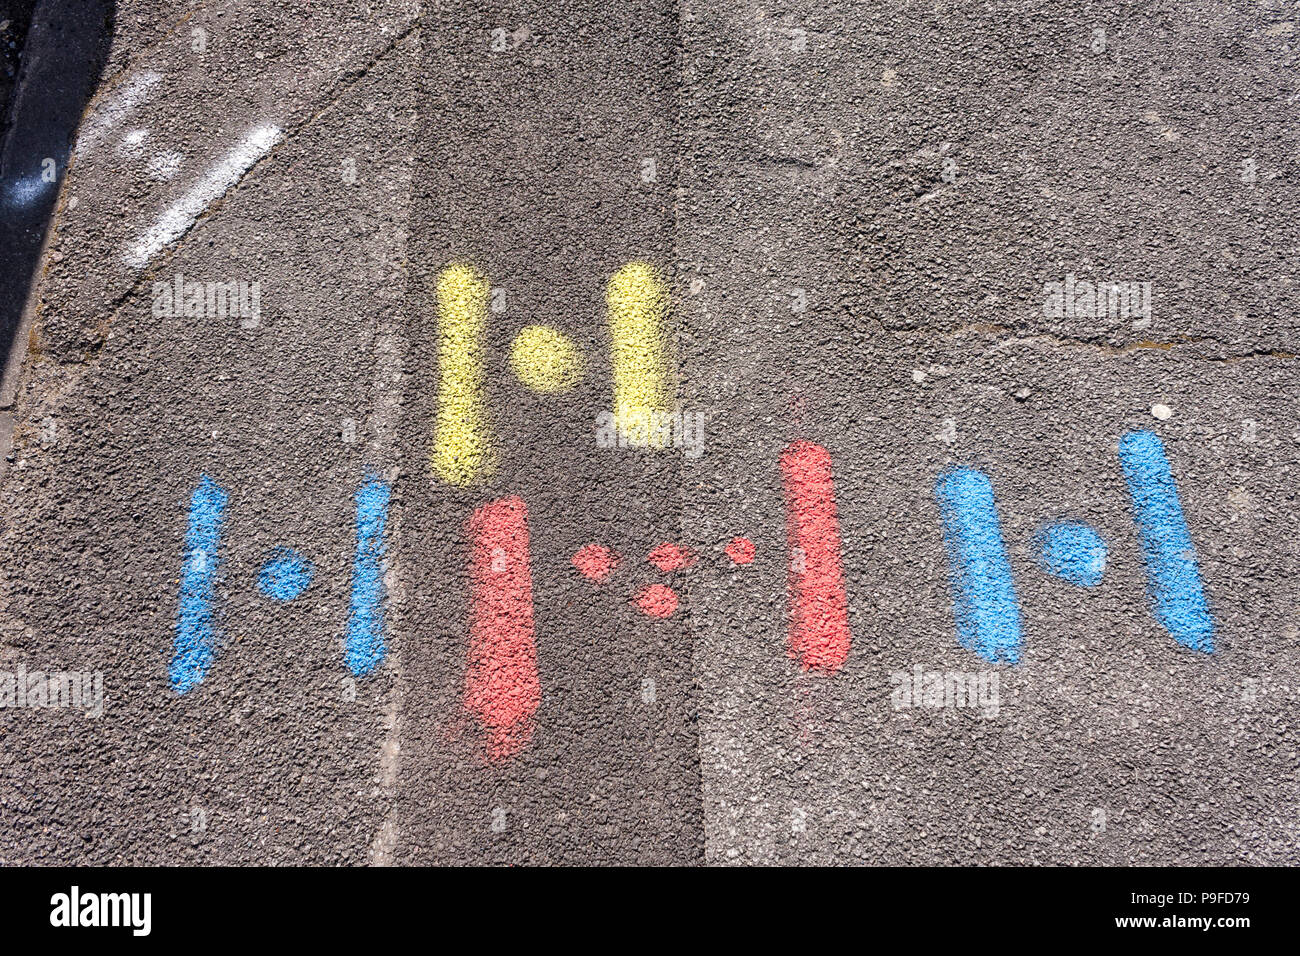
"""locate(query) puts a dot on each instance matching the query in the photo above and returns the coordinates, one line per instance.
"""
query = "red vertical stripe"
(501, 685)
(819, 612)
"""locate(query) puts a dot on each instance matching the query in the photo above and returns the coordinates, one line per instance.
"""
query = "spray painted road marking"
(462, 450)
(643, 394)
(196, 640)
(123, 101)
(501, 684)
(364, 647)
(819, 612)
(165, 165)
(656, 600)
(1072, 551)
(670, 557)
(545, 359)
(740, 550)
(285, 574)
(180, 216)
(985, 608)
(502, 687)
(595, 562)
(1173, 575)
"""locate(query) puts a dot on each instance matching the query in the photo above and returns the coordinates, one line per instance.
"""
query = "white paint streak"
(132, 143)
(165, 165)
(180, 216)
(129, 97)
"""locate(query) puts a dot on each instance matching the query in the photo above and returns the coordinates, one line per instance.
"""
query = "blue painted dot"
(285, 574)
(1072, 551)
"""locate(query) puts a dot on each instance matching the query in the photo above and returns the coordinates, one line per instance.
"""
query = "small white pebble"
(918, 376)
(1161, 412)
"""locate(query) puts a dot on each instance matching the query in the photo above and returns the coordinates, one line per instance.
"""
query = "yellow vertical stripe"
(643, 394)
(462, 449)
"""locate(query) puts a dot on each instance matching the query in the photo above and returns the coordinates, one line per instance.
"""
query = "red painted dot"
(656, 600)
(741, 551)
(595, 561)
(669, 557)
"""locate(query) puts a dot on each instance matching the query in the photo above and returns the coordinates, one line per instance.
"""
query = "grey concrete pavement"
(856, 213)
(279, 756)
(538, 124)
(875, 202)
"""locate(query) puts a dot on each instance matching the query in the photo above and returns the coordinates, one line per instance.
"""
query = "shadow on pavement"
(58, 66)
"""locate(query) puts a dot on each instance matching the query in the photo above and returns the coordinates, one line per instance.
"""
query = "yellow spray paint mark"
(643, 394)
(545, 359)
(462, 449)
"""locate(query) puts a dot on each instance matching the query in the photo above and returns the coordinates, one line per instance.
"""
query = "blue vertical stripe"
(364, 647)
(195, 642)
(984, 597)
(1173, 576)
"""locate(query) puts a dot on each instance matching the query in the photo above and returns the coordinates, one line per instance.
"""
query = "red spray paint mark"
(819, 614)
(595, 561)
(740, 550)
(656, 600)
(669, 557)
(501, 685)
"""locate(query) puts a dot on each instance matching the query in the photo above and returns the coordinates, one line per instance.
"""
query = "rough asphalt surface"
(855, 208)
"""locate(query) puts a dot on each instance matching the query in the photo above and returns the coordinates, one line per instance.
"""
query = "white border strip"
(180, 216)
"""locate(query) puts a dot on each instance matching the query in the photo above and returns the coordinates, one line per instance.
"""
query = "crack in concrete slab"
(1145, 345)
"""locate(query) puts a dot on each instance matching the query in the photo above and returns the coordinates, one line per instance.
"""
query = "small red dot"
(656, 600)
(741, 551)
(669, 557)
(595, 561)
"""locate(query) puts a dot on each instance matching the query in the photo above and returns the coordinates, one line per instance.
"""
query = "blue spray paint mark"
(364, 648)
(1173, 576)
(25, 191)
(1072, 551)
(196, 641)
(984, 597)
(285, 574)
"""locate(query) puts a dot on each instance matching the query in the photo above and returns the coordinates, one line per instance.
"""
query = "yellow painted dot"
(545, 359)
